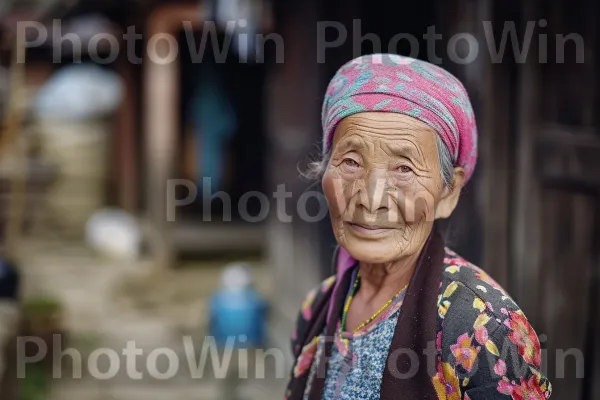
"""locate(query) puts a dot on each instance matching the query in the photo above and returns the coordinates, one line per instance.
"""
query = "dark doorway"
(241, 163)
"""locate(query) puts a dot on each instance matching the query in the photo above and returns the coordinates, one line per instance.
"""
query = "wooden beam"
(525, 221)
(594, 20)
(161, 114)
(195, 236)
(566, 156)
(569, 135)
(126, 171)
(494, 155)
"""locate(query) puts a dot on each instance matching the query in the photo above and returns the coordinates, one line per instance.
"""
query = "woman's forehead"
(384, 127)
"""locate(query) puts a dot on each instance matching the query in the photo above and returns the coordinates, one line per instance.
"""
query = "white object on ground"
(114, 233)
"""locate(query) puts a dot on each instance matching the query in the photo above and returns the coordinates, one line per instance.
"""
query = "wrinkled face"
(383, 185)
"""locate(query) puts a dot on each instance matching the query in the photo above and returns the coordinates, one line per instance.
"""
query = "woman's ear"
(450, 196)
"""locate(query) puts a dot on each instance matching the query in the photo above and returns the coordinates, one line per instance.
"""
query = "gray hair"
(446, 163)
(316, 169)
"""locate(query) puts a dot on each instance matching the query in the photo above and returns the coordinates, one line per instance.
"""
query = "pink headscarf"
(393, 83)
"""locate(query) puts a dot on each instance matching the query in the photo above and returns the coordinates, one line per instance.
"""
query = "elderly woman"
(405, 317)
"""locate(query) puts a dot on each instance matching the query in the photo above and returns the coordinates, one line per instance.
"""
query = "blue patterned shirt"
(357, 374)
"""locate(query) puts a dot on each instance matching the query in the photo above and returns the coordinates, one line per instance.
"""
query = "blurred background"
(98, 116)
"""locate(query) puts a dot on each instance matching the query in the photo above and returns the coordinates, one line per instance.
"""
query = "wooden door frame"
(161, 119)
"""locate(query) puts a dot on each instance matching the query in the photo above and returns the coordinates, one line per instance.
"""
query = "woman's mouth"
(368, 230)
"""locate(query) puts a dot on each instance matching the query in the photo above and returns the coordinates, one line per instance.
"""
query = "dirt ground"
(111, 303)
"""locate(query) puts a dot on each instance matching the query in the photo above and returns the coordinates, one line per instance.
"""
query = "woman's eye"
(350, 163)
(405, 169)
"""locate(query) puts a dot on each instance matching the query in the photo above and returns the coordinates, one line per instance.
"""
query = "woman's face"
(383, 185)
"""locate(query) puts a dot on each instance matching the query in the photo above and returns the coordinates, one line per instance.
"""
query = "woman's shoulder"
(472, 303)
(308, 309)
(485, 340)
(312, 298)
(469, 297)
(469, 282)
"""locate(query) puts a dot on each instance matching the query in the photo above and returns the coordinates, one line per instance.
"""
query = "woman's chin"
(373, 251)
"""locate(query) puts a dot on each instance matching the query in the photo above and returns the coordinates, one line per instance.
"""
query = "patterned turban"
(393, 83)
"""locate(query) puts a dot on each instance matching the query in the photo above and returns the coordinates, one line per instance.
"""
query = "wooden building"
(530, 216)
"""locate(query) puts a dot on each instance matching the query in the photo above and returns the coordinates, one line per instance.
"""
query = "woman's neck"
(385, 280)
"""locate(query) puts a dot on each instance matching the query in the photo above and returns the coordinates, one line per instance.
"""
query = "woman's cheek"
(334, 187)
(400, 194)
(422, 205)
(415, 203)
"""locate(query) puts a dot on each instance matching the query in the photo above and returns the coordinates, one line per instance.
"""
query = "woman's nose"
(373, 196)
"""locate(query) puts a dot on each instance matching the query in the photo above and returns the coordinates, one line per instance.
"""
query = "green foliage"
(35, 385)
(41, 307)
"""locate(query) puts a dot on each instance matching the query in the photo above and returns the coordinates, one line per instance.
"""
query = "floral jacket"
(485, 347)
